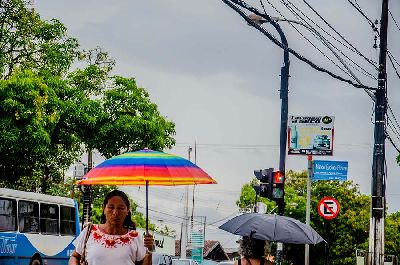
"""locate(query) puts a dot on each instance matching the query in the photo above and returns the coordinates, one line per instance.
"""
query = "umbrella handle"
(147, 206)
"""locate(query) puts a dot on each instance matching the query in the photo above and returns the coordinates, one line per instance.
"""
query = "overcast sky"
(218, 78)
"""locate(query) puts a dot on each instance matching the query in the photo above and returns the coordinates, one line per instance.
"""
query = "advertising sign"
(330, 170)
(310, 135)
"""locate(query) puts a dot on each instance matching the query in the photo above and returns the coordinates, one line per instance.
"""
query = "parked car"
(226, 262)
(184, 262)
(161, 259)
(209, 262)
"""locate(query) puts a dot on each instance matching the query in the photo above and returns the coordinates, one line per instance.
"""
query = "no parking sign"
(328, 208)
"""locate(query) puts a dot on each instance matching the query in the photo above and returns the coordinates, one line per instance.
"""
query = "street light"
(258, 19)
(283, 91)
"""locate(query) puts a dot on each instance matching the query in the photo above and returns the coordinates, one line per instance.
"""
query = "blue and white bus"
(36, 229)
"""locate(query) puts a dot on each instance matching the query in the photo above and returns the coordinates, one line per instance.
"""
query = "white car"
(226, 262)
(184, 262)
(161, 259)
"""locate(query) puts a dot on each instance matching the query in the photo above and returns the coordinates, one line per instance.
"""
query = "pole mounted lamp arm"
(255, 24)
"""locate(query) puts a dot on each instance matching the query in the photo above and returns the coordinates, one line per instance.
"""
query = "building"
(212, 250)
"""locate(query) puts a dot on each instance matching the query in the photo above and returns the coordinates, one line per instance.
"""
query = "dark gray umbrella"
(272, 227)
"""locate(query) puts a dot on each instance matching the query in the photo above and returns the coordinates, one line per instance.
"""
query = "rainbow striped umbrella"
(146, 167)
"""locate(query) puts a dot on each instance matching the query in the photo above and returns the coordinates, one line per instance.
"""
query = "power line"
(357, 7)
(394, 20)
(392, 63)
(278, 43)
(325, 41)
(394, 59)
(340, 35)
(394, 117)
(313, 31)
(351, 48)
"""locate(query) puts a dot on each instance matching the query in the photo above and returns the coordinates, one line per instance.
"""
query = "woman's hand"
(149, 241)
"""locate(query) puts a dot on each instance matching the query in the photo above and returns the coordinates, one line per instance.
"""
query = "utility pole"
(377, 219)
(87, 193)
(184, 237)
(284, 121)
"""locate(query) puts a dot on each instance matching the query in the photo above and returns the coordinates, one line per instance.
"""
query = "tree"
(345, 233)
(26, 41)
(50, 113)
(128, 121)
(32, 144)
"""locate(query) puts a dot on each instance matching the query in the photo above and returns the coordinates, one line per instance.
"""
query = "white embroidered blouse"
(105, 249)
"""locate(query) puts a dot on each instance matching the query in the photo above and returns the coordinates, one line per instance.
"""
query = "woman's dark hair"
(252, 247)
(128, 223)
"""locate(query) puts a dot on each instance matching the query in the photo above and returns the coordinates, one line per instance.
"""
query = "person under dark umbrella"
(253, 252)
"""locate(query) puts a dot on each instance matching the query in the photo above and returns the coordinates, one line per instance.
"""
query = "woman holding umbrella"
(115, 240)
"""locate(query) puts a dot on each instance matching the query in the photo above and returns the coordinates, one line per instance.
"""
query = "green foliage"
(392, 235)
(346, 233)
(31, 140)
(28, 42)
(50, 113)
(130, 120)
(165, 230)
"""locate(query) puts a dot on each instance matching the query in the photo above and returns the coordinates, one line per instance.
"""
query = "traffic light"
(278, 182)
(271, 184)
(265, 178)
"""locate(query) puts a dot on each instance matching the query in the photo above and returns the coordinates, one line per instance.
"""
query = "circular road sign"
(328, 208)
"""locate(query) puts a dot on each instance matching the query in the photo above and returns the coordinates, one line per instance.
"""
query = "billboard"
(310, 135)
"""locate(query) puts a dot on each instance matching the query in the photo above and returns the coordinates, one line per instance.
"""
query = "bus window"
(28, 213)
(67, 216)
(8, 215)
(49, 218)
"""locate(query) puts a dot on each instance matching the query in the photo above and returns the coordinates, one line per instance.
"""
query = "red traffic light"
(278, 177)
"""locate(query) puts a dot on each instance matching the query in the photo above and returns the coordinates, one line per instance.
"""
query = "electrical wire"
(278, 43)
(324, 40)
(308, 40)
(351, 48)
(357, 7)
(394, 66)
(394, 20)
(340, 35)
(394, 59)
(394, 117)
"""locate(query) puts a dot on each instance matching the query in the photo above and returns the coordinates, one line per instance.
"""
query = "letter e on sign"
(328, 208)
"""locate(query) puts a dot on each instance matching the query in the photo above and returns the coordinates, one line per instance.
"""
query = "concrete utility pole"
(284, 121)
(184, 237)
(377, 226)
(87, 193)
